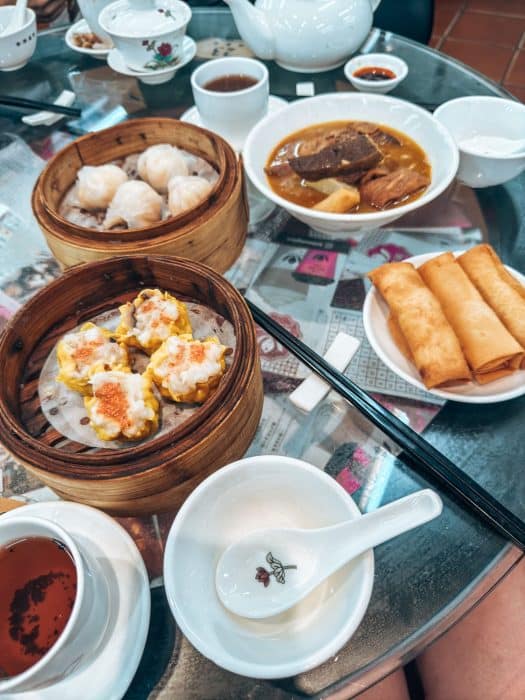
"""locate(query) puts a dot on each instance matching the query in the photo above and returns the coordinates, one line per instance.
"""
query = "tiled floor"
(488, 35)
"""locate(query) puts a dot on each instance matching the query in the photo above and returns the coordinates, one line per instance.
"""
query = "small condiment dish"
(86, 625)
(374, 66)
(148, 33)
(485, 118)
(250, 494)
(17, 47)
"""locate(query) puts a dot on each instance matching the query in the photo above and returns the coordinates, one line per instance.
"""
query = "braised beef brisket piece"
(393, 187)
(351, 152)
(378, 136)
(362, 176)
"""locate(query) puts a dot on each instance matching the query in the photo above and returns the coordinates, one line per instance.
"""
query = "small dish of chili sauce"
(375, 72)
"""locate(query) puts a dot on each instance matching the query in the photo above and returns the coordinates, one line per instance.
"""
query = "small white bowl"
(376, 60)
(254, 493)
(87, 621)
(17, 48)
(147, 47)
(467, 117)
(415, 122)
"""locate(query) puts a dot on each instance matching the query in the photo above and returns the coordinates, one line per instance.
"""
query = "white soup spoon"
(269, 571)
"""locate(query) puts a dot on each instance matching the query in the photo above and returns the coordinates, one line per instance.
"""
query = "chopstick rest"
(44, 118)
(313, 390)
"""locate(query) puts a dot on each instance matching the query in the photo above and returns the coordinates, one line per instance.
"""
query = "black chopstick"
(23, 103)
(418, 453)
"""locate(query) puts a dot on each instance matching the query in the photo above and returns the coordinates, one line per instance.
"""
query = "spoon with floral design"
(269, 571)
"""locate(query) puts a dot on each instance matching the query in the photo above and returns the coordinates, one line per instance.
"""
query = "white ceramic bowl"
(142, 47)
(467, 117)
(376, 60)
(250, 494)
(414, 121)
(17, 48)
(87, 622)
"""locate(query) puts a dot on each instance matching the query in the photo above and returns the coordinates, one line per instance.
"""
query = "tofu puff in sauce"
(123, 406)
(151, 318)
(186, 370)
(348, 167)
(84, 352)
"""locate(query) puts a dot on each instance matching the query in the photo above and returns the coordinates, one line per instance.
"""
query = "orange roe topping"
(197, 353)
(84, 353)
(113, 403)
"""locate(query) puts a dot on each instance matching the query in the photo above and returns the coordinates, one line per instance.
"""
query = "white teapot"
(307, 36)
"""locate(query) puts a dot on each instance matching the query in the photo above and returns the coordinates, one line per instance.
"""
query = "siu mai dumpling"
(159, 163)
(187, 370)
(123, 406)
(135, 204)
(148, 320)
(97, 185)
(185, 193)
(86, 351)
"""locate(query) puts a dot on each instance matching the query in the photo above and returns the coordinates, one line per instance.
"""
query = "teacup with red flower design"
(148, 33)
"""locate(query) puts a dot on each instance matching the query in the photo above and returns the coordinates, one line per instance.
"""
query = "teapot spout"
(254, 27)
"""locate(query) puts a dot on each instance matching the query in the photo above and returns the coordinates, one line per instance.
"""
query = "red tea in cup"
(38, 585)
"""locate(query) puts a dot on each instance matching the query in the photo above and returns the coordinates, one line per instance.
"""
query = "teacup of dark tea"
(53, 606)
(231, 95)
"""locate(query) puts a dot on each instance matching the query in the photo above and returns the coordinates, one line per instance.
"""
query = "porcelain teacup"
(148, 35)
(231, 114)
(86, 625)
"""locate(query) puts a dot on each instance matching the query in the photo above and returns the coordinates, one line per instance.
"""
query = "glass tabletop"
(424, 580)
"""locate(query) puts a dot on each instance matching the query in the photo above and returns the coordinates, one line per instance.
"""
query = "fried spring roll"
(433, 345)
(498, 287)
(486, 343)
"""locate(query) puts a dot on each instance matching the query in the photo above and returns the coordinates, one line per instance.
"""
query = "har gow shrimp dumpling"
(148, 320)
(159, 163)
(187, 370)
(186, 192)
(136, 204)
(97, 185)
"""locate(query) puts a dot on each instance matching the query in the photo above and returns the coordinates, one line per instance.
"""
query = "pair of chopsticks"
(418, 453)
(23, 103)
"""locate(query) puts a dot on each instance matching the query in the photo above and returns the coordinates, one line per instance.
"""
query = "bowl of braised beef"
(350, 162)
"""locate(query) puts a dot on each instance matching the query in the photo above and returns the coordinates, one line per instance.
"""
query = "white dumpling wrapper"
(186, 192)
(97, 185)
(136, 204)
(159, 163)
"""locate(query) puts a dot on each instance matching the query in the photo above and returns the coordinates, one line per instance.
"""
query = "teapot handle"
(375, 4)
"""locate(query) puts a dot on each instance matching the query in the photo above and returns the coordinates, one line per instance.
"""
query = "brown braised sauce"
(230, 83)
(374, 73)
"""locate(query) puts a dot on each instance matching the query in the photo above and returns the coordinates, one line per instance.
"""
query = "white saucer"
(192, 116)
(153, 77)
(375, 322)
(82, 27)
(108, 674)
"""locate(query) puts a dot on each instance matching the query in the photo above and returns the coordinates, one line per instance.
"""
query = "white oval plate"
(375, 315)
(109, 672)
(263, 491)
(82, 27)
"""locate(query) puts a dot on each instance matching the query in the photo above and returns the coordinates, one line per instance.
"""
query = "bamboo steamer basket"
(148, 477)
(213, 233)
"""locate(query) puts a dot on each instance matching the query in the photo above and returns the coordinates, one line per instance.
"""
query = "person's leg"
(483, 656)
(393, 687)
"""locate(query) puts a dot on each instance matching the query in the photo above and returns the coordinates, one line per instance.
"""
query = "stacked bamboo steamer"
(213, 233)
(147, 477)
